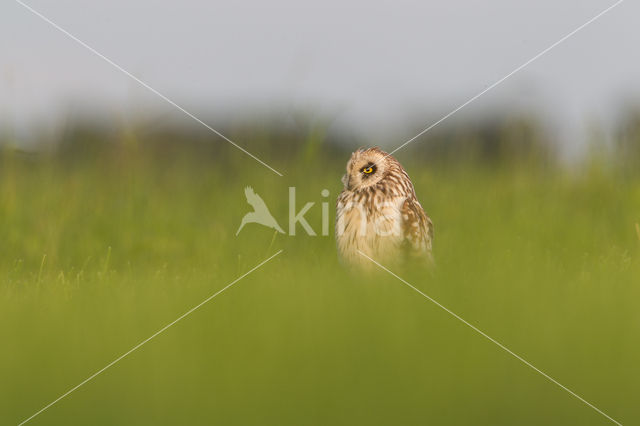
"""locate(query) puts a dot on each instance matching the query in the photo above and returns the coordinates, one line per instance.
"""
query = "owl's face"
(365, 168)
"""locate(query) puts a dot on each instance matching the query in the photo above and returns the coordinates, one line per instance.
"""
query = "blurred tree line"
(626, 151)
(495, 142)
(503, 141)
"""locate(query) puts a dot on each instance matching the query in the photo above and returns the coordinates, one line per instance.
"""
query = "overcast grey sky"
(375, 64)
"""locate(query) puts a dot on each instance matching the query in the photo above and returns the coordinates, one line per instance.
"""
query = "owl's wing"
(417, 228)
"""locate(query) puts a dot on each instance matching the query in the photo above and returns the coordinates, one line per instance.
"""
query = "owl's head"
(365, 168)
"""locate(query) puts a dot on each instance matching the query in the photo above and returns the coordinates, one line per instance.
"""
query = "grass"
(97, 254)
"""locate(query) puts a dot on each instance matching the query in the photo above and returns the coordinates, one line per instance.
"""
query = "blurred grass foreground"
(107, 235)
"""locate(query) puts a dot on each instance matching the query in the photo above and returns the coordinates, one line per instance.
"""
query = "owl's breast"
(371, 226)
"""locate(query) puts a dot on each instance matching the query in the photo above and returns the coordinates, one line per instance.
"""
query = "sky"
(381, 67)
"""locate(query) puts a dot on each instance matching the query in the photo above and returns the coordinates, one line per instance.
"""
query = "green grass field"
(97, 254)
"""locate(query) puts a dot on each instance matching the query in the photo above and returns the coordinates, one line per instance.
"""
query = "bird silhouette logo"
(260, 213)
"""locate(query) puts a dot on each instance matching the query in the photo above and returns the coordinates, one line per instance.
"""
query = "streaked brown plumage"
(378, 213)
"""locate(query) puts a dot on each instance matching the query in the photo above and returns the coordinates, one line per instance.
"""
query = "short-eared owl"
(378, 212)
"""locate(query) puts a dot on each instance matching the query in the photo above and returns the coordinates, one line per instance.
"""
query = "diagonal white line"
(149, 338)
(142, 83)
(590, 21)
(492, 340)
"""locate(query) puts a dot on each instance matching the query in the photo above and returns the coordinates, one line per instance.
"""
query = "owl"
(378, 214)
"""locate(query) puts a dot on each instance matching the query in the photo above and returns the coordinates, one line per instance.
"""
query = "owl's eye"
(367, 170)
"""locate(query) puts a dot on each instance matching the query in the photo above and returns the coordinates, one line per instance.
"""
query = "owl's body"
(378, 213)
